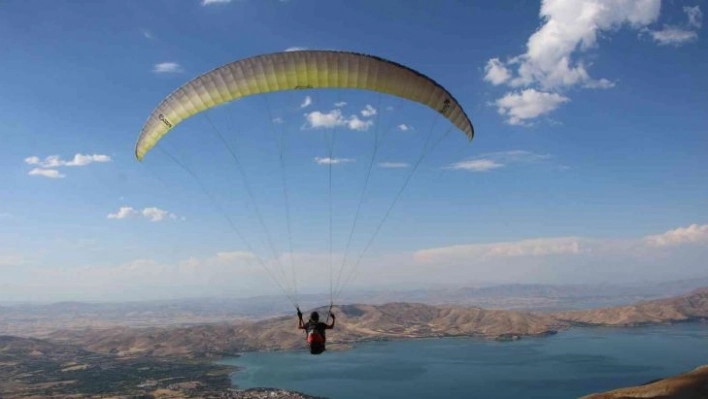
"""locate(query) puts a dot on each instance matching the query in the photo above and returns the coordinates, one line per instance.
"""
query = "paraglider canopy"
(296, 70)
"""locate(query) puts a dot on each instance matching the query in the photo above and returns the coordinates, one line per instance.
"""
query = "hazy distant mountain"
(690, 307)
(691, 385)
(41, 319)
(357, 323)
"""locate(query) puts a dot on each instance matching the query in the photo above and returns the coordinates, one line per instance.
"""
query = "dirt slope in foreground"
(691, 385)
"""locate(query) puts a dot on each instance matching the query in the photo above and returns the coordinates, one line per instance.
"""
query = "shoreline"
(624, 332)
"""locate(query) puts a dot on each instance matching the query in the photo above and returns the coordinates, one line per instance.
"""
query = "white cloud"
(495, 160)
(332, 161)
(495, 72)
(673, 36)
(678, 35)
(306, 102)
(692, 234)
(82, 160)
(403, 127)
(289, 49)
(394, 165)
(153, 214)
(278, 120)
(210, 2)
(51, 161)
(54, 161)
(553, 58)
(46, 167)
(167, 67)
(334, 118)
(529, 104)
(123, 213)
(477, 165)
(317, 119)
(533, 248)
(570, 28)
(157, 214)
(147, 34)
(340, 104)
(368, 111)
(32, 160)
(51, 173)
(354, 123)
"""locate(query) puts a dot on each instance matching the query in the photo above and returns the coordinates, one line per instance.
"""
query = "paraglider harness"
(315, 332)
(315, 337)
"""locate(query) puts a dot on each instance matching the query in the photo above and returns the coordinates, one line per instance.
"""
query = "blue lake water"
(570, 364)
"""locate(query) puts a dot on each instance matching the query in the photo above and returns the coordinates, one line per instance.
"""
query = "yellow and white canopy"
(298, 70)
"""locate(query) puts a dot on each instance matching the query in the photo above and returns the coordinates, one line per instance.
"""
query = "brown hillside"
(355, 323)
(691, 385)
(690, 307)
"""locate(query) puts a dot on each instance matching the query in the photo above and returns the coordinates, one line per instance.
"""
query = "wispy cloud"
(340, 104)
(4, 215)
(672, 35)
(167, 67)
(354, 123)
(678, 253)
(564, 259)
(332, 161)
(153, 214)
(553, 58)
(123, 213)
(692, 234)
(147, 34)
(394, 165)
(477, 165)
(306, 102)
(50, 173)
(295, 48)
(278, 120)
(211, 2)
(334, 118)
(47, 167)
(156, 214)
(54, 161)
(403, 127)
(532, 247)
(695, 16)
(679, 35)
(368, 111)
(495, 160)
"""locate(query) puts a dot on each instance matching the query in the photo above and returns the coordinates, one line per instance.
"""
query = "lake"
(570, 364)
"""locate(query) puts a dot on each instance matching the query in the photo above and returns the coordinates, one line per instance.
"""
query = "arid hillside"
(691, 307)
(691, 385)
(355, 323)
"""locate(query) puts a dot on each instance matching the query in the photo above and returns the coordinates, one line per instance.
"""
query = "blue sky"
(588, 163)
